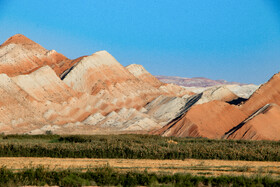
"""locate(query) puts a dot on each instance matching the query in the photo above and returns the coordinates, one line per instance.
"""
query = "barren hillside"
(43, 91)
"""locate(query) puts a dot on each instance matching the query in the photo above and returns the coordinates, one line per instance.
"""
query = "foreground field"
(108, 176)
(133, 160)
(136, 147)
(196, 167)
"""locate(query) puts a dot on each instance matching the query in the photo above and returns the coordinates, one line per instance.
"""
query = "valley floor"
(193, 166)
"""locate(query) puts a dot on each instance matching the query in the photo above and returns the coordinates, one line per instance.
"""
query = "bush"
(137, 147)
(108, 176)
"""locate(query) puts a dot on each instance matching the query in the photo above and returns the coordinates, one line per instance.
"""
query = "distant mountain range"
(193, 82)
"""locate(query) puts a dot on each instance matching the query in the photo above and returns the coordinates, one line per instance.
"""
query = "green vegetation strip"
(108, 176)
(136, 147)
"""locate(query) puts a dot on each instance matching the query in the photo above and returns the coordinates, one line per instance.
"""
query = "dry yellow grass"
(196, 167)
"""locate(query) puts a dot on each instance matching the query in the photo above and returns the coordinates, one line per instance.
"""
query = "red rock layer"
(102, 75)
(20, 55)
(267, 93)
(209, 120)
(264, 126)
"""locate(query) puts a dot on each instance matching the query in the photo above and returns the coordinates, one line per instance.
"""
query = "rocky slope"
(102, 75)
(142, 74)
(88, 95)
(262, 126)
(42, 90)
(20, 55)
(267, 93)
(262, 109)
(209, 120)
(255, 118)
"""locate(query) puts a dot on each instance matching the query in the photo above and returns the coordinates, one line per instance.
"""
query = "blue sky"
(235, 40)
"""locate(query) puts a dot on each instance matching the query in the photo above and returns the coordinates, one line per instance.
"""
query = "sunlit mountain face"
(42, 90)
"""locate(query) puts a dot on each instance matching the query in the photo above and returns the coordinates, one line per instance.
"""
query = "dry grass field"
(136, 160)
(193, 166)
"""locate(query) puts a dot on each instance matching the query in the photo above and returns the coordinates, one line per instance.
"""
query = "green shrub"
(74, 180)
(137, 147)
(109, 176)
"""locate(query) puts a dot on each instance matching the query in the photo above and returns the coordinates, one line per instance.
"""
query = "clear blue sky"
(235, 40)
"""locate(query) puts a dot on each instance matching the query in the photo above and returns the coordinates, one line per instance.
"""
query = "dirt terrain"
(194, 166)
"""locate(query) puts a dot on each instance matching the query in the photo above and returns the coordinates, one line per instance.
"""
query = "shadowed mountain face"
(42, 90)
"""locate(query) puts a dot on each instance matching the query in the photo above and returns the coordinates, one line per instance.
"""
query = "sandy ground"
(193, 166)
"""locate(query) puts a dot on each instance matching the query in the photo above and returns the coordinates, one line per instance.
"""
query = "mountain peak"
(19, 39)
(136, 69)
